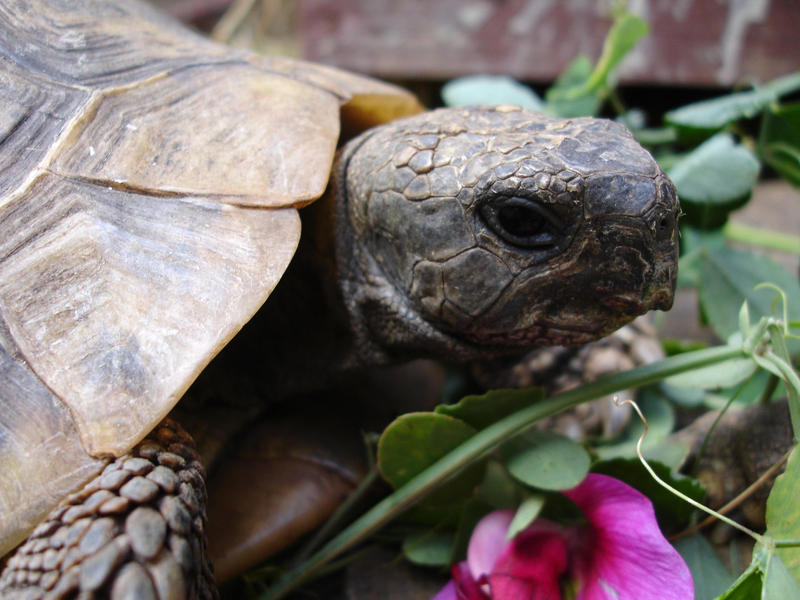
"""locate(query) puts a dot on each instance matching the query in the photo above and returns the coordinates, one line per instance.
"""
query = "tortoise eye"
(522, 222)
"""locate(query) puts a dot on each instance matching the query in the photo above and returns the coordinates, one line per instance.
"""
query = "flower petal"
(448, 592)
(466, 587)
(532, 565)
(487, 542)
(622, 554)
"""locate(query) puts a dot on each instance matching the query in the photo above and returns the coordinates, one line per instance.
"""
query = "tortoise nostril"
(663, 226)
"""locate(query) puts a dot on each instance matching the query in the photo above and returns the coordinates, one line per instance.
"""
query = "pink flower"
(619, 554)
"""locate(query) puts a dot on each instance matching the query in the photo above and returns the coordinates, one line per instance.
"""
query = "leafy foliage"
(710, 576)
(779, 142)
(704, 118)
(714, 179)
(545, 460)
(483, 410)
(783, 512)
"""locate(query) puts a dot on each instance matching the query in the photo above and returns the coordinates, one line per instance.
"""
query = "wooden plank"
(692, 42)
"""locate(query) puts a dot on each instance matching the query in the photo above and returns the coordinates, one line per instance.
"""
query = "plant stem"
(766, 394)
(479, 446)
(772, 240)
(707, 438)
(679, 494)
(654, 136)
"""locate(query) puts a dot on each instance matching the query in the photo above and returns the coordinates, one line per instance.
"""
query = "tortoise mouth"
(624, 303)
(631, 305)
(574, 321)
(544, 334)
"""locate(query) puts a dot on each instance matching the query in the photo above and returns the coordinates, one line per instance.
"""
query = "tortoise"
(150, 183)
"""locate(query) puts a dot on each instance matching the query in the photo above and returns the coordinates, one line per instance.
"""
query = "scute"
(98, 43)
(253, 138)
(35, 426)
(137, 161)
(33, 115)
(117, 299)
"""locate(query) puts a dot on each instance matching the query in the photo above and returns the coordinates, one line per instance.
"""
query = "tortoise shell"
(149, 181)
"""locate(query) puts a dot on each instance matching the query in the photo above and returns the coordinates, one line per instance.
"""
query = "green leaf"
(621, 38)
(656, 136)
(766, 578)
(414, 441)
(499, 490)
(701, 119)
(472, 512)
(728, 373)
(747, 587)
(685, 397)
(667, 157)
(526, 514)
(575, 75)
(672, 512)
(778, 355)
(545, 460)
(769, 239)
(748, 394)
(728, 277)
(489, 89)
(693, 242)
(783, 511)
(432, 548)
(744, 319)
(482, 410)
(709, 575)
(714, 179)
(778, 581)
(785, 159)
(779, 141)
(580, 89)
(567, 98)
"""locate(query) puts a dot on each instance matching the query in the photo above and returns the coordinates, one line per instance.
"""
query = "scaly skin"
(134, 531)
(475, 232)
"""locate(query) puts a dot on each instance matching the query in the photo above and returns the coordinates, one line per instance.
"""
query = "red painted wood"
(697, 42)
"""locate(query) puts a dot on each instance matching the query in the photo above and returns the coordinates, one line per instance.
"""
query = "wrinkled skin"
(484, 231)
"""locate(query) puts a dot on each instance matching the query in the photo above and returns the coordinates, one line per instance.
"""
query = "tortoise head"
(475, 230)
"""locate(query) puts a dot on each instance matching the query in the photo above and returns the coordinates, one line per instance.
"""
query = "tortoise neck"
(301, 339)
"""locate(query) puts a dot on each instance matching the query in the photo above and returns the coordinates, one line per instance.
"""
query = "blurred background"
(693, 45)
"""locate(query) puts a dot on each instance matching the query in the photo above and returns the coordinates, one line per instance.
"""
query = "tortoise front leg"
(137, 530)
